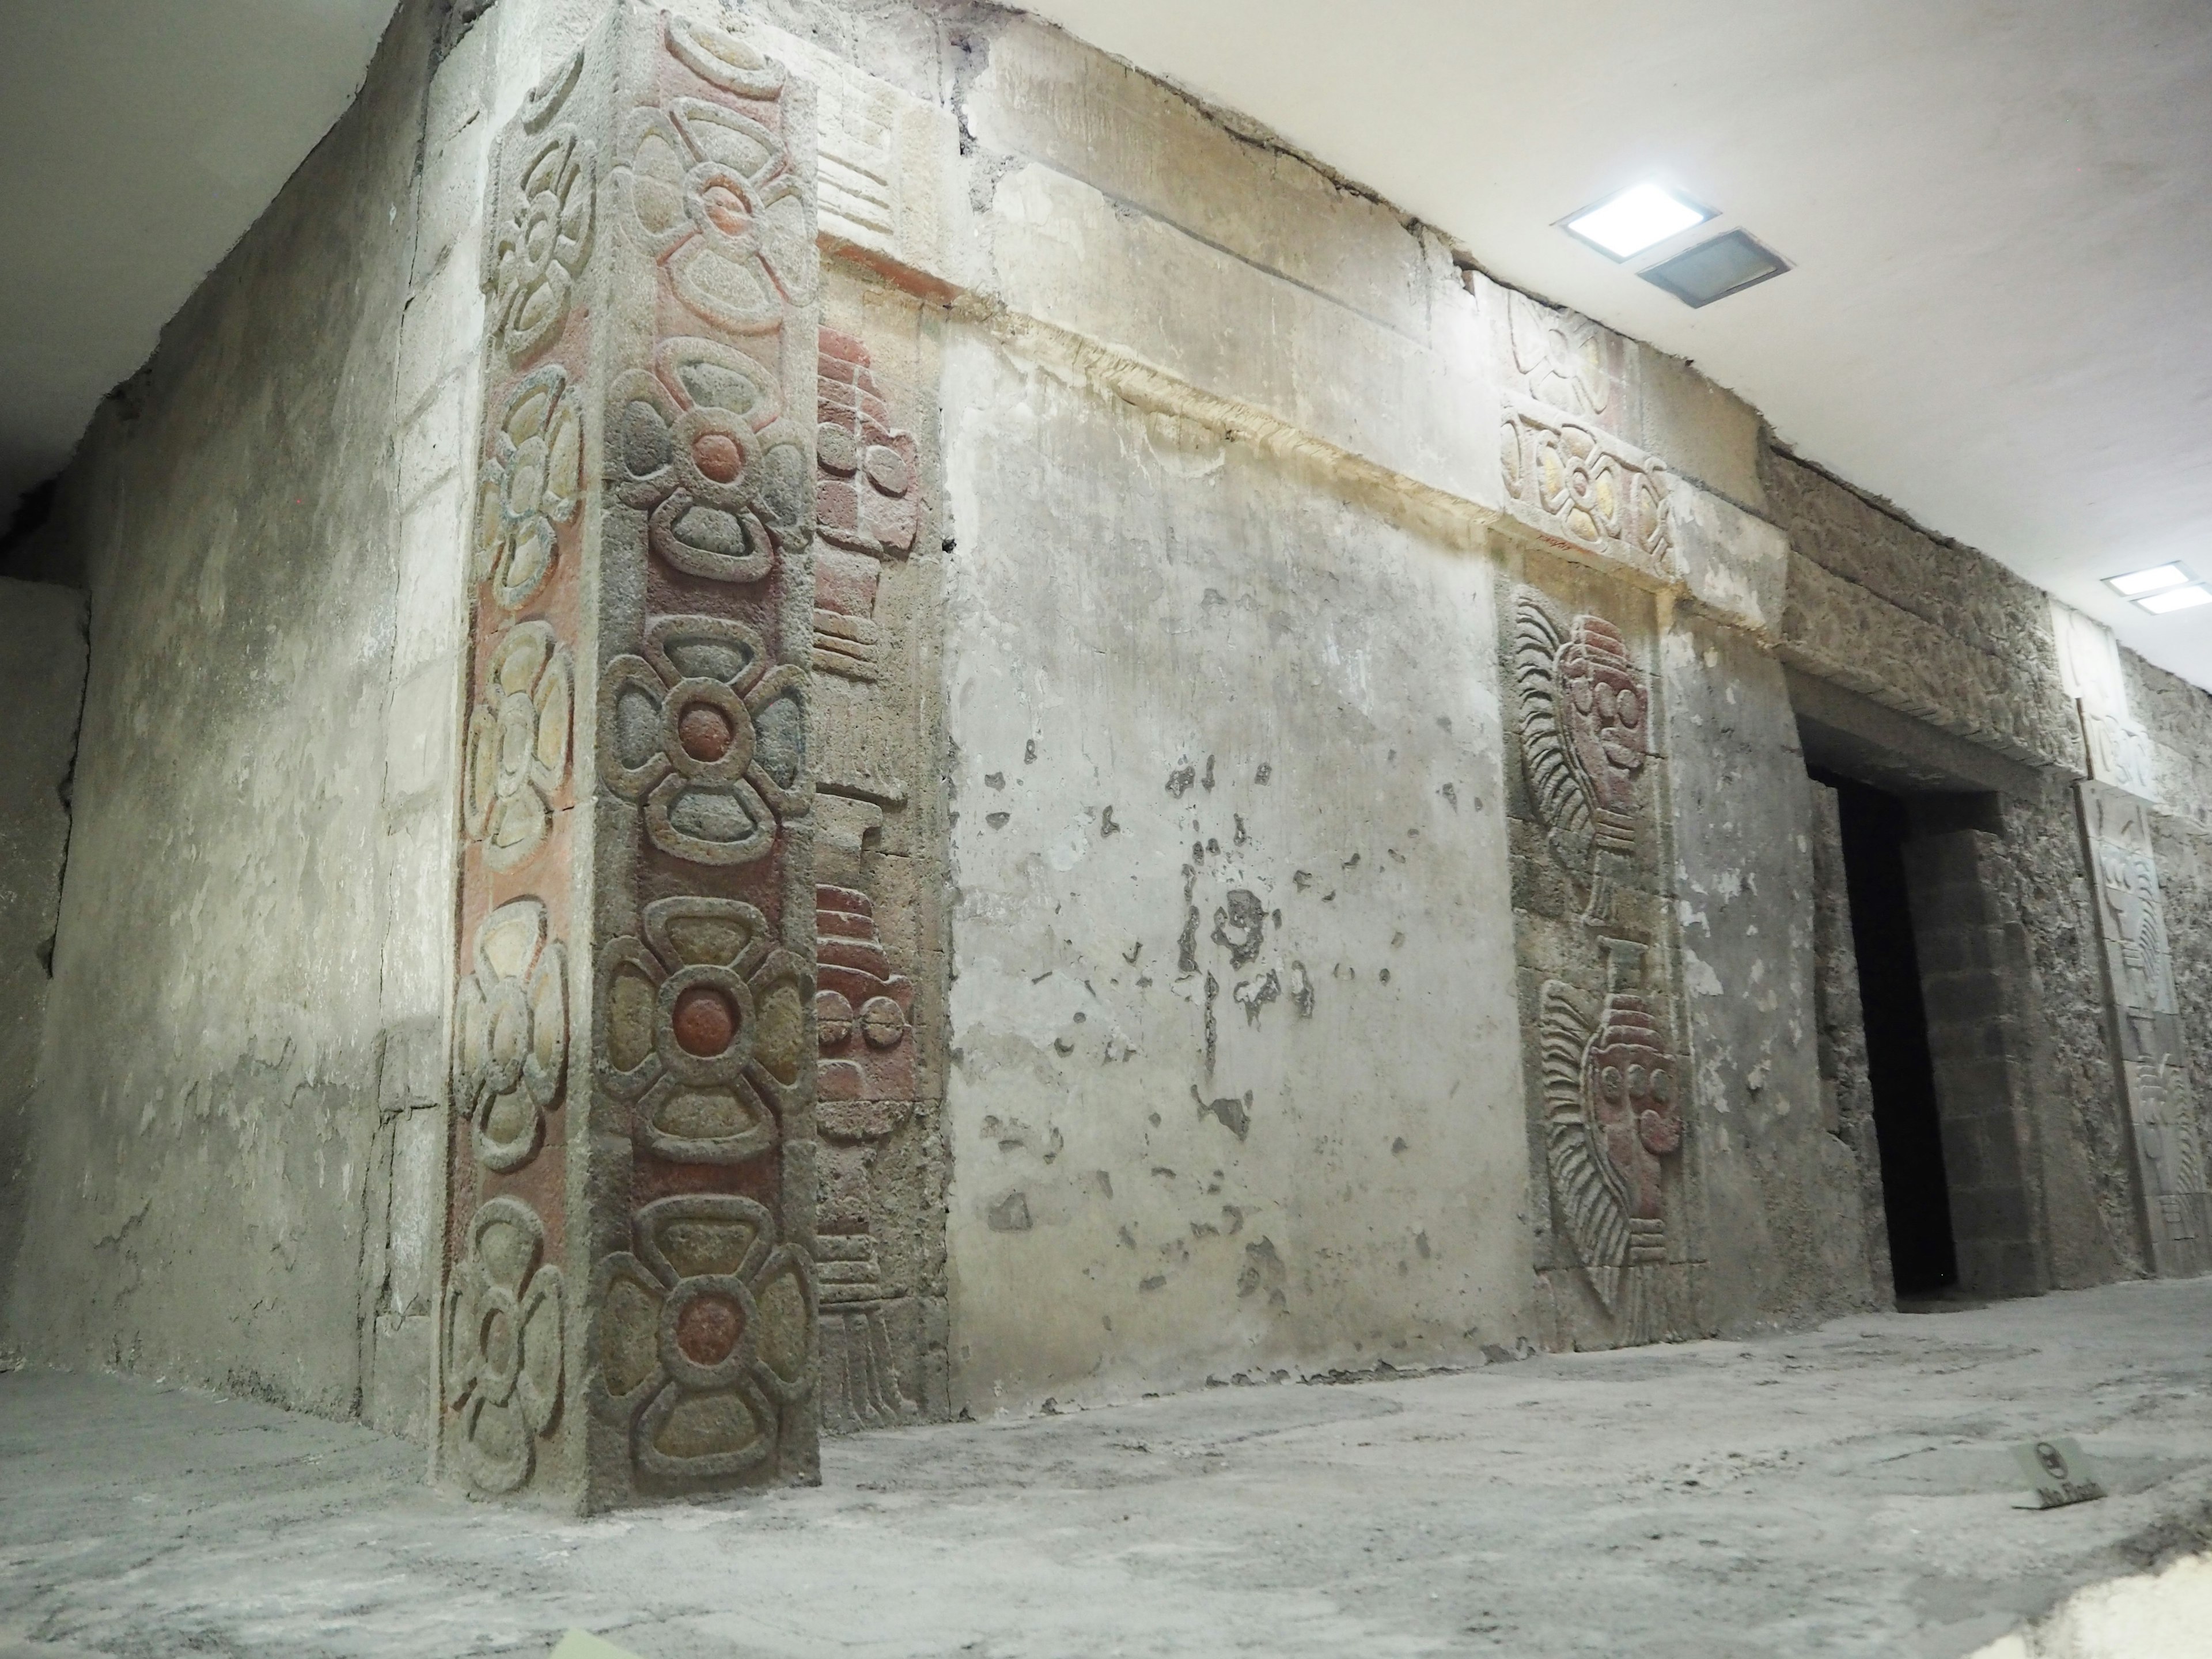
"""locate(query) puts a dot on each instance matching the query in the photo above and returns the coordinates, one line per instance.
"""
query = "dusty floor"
(1846, 1491)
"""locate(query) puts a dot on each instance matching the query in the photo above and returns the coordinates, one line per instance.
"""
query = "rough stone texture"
(1233, 1067)
(2178, 719)
(1982, 1012)
(204, 1127)
(2088, 1195)
(1846, 1090)
(880, 810)
(2150, 1046)
(42, 656)
(1783, 1188)
(1965, 596)
(1850, 1491)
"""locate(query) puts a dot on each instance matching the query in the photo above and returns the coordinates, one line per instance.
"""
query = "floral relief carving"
(506, 1320)
(518, 744)
(532, 484)
(711, 193)
(1582, 488)
(511, 1035)
(1560, 354)
(709, 736)
(721, 59)
(705, 1029)
(704, 1336)
(700, 442)
(540, 242)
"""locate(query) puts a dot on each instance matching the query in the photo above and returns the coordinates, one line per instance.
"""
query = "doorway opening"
(1900, 1067)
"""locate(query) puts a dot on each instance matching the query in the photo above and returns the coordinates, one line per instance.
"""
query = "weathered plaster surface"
(1786, 1239)
(42, 655)
(1233, 1085)
(1847, 1089)
(204, 1121)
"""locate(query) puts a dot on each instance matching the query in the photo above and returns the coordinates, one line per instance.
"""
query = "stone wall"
(42, 686)
(203, 1138)
(1944, 635)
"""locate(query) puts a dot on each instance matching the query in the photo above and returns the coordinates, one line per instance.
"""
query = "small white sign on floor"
(2060, 1472)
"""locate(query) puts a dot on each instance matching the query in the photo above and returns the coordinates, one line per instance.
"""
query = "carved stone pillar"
(2145, 1027)
(630, 1303)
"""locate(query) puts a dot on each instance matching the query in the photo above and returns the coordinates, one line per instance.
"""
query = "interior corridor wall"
(203, 1133)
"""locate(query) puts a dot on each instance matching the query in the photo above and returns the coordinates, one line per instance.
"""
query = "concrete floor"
(1842, 1491)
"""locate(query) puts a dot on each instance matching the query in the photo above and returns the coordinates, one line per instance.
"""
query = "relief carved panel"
(880, 1240)
(642, 543)
(2147, 1029)
(1573, 482)
(1595, 948)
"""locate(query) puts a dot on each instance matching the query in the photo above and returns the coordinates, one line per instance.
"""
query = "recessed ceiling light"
(1713, 269)
(2137, 583)
(1642, 216)
(2176, 598)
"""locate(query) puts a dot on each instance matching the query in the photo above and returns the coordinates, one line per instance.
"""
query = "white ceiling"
(2001, 316)
(138, 139)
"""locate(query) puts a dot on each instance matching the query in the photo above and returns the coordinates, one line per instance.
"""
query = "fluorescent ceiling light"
(1641, 216)
(1728, 264)
(2137, 583)
(2177, 598)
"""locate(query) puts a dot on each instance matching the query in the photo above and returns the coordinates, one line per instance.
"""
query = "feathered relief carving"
(1610, 1115)
(1584, 734)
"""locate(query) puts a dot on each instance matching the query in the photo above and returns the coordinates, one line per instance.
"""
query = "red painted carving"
(1603, 708)
(861, 1014)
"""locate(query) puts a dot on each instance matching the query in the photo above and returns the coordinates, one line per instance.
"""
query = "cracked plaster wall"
(205, 1118)
(42, 686)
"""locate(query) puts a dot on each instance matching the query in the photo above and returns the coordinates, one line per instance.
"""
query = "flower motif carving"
(505, 1328)
(518, 746)
(705, 1030)
(532, 483)
(1560, 353)
(703, 1336)
(701, 443)
(511, 1035)
(721, 59)
(1586, 491)
(707, 737)
(712, 193)
(541, 241)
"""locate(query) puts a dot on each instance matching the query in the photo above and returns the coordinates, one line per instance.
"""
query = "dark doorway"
(1901, 1074)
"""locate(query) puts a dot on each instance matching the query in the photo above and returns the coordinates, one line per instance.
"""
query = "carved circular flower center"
(705, 1022)
(718, 457)
(705, 732)
(539, 229)
(726, 208)
(707, 1329)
